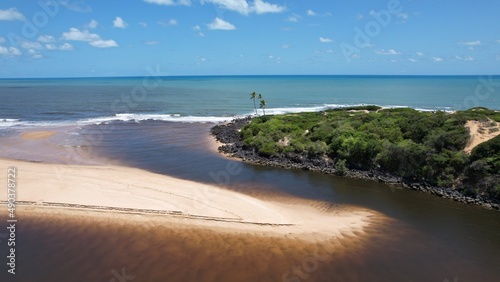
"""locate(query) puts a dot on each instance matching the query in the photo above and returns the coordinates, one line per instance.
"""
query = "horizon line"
(257, 75)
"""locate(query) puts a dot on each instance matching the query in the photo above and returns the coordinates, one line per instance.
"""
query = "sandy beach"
(113, 191)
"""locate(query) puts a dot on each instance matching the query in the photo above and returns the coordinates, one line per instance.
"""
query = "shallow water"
(423, 237)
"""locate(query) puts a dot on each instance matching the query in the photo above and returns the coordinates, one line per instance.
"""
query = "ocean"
(32, 102)
(161, 124)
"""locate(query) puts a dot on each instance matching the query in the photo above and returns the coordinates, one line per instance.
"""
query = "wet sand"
(38, 135)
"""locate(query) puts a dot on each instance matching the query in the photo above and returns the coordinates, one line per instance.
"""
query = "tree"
(263, 105)
(253, 96)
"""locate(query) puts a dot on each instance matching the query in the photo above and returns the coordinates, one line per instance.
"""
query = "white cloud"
(152, 42)
(325, 40)
(46, 38)
(11, 15)
(10, 51)
(467, 59)
(119, 23)
(242, 6)
(143, 24)
(93, 24)
(261, 7)
(66, 47)
(2, 40)
(75, 7)
(311, 13)
(285, 46)
(74, 34)
(470, 43)
(293, 18)
(412, 60)
(169, 2)
(171, 22)
(420, 54)
(104, 43)
(359, 16)
(403, 16)
(219, 24)
(198, 28)
(31, 45)
(437, 59)
(320, 52)
(387, 52)
(34, 54)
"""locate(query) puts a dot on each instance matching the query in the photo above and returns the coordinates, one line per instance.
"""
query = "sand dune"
(480, 131)
(113, 192)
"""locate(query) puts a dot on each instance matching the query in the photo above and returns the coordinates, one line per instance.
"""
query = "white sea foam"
(137, 117)
(157, 117)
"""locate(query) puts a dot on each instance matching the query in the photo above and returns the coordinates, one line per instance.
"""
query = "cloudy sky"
(60, 38)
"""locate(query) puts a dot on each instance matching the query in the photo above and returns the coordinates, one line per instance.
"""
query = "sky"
(87, 38)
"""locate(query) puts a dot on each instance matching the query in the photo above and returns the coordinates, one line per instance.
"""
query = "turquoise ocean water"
(31, 102)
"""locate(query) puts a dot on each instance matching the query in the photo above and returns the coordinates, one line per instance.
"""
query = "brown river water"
(417, 237)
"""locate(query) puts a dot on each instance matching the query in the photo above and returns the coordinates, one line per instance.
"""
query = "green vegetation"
(426, 147)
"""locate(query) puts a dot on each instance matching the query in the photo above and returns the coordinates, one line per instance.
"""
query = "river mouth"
(418, 237)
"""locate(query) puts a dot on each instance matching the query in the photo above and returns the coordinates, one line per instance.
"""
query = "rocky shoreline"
(228, 135)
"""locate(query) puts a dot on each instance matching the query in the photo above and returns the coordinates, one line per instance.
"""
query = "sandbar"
(115, 191)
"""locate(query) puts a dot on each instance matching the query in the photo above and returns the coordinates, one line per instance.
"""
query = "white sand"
(114, 191)
(477, 137)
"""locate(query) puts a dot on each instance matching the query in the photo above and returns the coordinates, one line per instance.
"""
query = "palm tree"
(263, 106)
(253, 96)
(260, 96)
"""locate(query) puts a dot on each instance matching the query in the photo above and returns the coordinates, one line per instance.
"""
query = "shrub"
(341, 167)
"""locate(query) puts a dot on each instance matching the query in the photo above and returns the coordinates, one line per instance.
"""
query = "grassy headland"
(424, 150)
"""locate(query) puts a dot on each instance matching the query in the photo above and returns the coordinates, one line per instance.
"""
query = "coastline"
(228, 135)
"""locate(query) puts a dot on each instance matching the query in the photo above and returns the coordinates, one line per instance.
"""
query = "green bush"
(414, 145)
(341, 167)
